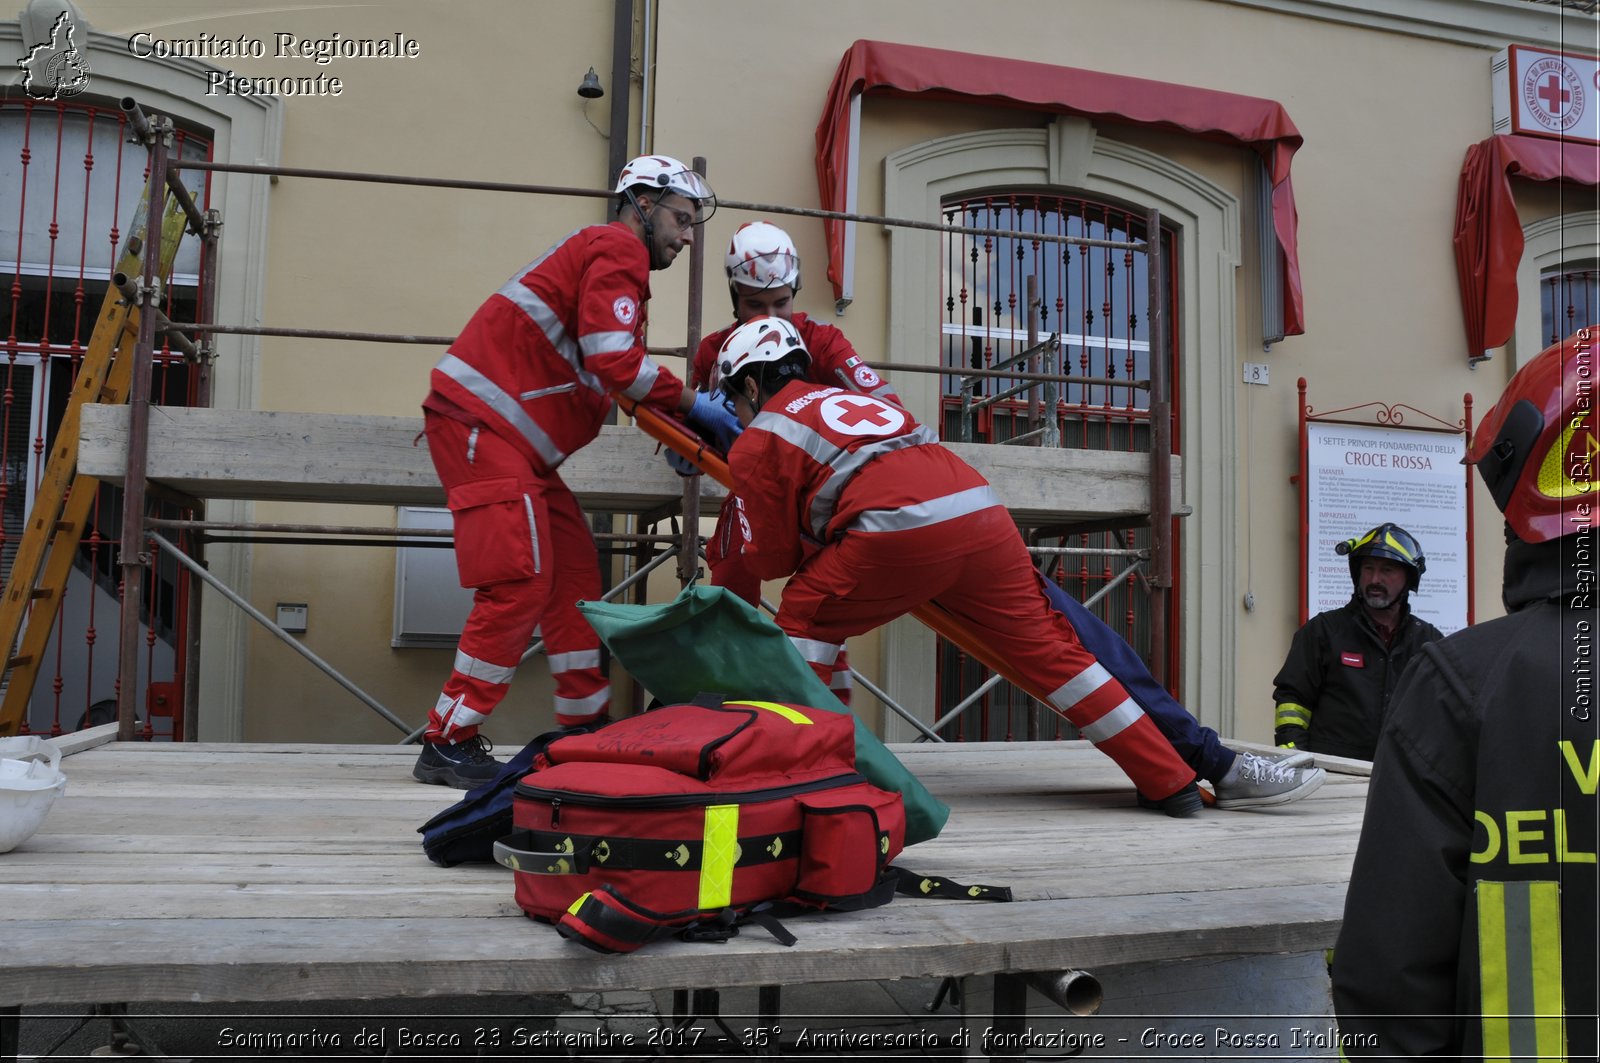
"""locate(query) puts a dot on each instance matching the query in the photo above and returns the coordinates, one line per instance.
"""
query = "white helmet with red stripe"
(656, 173)
(761, 256)
(758, 343)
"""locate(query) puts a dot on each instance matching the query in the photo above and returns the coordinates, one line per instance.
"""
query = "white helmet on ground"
(761, 256)
(657, 173)
(758, 343)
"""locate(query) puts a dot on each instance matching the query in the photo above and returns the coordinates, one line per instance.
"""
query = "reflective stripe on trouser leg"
(582, 689)
(819, 654)
(840, 682)
(1519, 970)
(475, 687)
(1101, 710)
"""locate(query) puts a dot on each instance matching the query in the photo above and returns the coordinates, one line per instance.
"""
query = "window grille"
(69, 184)
(1569, 299)
(997, 292)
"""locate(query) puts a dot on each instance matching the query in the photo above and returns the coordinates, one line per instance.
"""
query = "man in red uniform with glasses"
(528, 382)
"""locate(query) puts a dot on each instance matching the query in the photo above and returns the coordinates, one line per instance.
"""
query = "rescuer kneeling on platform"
(872, 517)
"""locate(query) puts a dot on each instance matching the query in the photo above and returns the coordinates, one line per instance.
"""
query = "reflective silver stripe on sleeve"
(1112, 723)
(1080, 686)
(569, 662)
(539, 312)
(640, 388)
(605, 343)
(473, 668)
(584, 706)
(504, 404)
(933, 511)
(814, 652)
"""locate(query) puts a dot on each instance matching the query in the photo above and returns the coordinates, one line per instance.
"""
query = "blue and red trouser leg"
(977, 568)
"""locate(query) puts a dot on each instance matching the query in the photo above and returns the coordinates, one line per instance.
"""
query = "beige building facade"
(1386, 94)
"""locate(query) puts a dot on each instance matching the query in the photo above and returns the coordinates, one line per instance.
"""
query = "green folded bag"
(709, 640)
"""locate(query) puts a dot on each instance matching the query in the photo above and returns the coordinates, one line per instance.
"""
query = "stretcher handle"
(677, 438)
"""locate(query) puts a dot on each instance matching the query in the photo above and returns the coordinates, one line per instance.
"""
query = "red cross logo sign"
(1553, 95)
(861, 415)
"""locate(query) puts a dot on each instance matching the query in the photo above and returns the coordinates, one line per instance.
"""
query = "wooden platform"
(305, 457)
(293, 873)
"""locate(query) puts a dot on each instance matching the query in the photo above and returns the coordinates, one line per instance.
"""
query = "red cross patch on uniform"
(625, 309)
(1353, 660)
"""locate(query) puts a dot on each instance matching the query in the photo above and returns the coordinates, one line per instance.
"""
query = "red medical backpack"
(688, 820)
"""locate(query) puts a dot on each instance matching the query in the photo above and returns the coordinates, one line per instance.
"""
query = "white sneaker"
(1256, 781)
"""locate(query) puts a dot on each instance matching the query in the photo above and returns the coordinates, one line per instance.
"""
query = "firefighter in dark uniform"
(1469, 926)
(1344, 664)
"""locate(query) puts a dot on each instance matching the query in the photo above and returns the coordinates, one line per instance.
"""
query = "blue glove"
(712, 416)
(681, 465)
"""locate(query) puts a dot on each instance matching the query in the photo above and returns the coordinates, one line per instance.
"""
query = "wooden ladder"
(63, 500)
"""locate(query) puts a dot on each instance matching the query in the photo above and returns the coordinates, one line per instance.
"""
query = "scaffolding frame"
(1153, 567)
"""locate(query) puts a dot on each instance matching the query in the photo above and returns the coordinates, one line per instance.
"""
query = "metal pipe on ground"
(1077, 992)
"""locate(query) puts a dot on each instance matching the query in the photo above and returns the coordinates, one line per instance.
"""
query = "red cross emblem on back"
(861, 415)
(855, 413)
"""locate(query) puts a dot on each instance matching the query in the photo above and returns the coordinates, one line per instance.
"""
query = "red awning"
(1488, 233)
(879, 68)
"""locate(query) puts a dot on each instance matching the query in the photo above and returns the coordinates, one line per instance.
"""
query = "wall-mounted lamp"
(589, 88)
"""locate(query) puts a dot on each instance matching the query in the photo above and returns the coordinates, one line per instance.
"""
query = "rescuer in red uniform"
(763, 270)
(872, 517)
(527, 383)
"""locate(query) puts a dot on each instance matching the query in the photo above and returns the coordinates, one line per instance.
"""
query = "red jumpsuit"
(874, 518)
(834, 362)
(527, 383)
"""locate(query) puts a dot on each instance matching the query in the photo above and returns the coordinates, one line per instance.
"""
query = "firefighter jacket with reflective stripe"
(1335, 685)
(833, 361)
(538, 361)
(1473, 894)
(819, 461)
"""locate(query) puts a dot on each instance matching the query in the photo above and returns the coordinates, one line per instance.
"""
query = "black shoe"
(463, 765)
(1181, 805)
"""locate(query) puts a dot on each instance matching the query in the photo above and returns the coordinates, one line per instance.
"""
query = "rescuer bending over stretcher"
(871, 517)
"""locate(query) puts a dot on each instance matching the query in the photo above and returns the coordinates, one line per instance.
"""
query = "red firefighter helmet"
(1537, 447)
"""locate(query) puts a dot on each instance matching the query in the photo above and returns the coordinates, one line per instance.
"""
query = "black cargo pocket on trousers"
(496, 538)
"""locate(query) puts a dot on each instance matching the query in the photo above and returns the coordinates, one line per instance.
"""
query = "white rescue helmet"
(757, 343)
(761, 256)
(658, 173)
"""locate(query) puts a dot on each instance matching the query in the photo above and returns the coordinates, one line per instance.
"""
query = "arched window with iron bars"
(70, 181)
(1569, 299)
(999, 296)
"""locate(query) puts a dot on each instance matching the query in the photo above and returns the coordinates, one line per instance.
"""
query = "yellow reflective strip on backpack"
(718, 856)
(792, 715)
(1519, 970)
